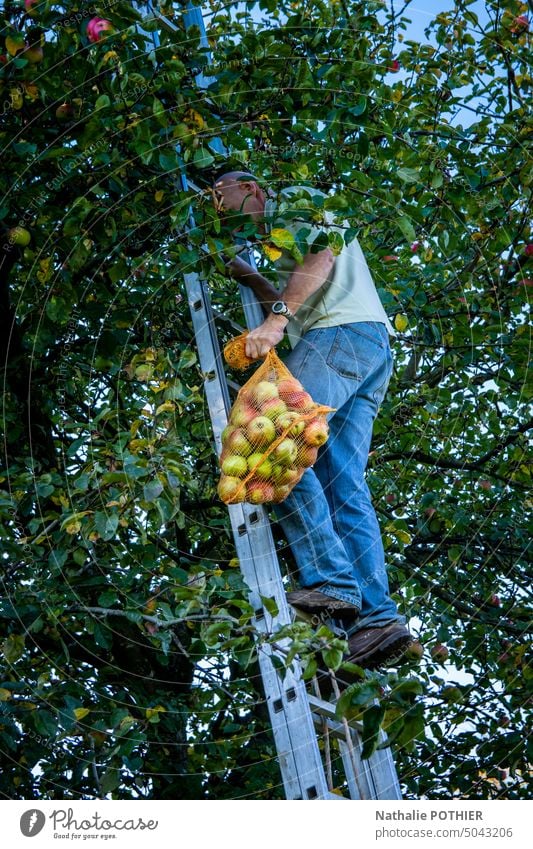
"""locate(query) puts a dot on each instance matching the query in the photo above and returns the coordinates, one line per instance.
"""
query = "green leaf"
(270, 604)
(152, 490)
(372, 719)
(408, 175)
(406, 227)
(101, 102)
(106, 524)
(13, 647)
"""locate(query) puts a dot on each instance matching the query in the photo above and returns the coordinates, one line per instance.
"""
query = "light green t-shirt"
(349, 293)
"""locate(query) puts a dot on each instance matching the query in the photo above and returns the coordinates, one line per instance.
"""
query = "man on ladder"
(339, 335)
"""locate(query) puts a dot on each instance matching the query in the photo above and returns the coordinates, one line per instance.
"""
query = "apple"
(242, 414)
(238, 444)
(299, 400)
(19, 236)
(281, 493)
(291, 422)
(262, 392)
(520, 23)
(287, 386)
(234, 466)
(34, 54)
(29, 4)
(316, 432)
(495, 600)
(439, 653)
(414, 651)
(257, 492)
(260, 431)
(528, 250)
(260, 465)
(273, 408)
(486, 485)
(4, 59)
(415, 246)
(307, 455)
(394, 66)
(97, 29)
(228, 489)
(64, 112)
(390, 498)
(390, 258)
(285, 452)
(285, 477)
(224, 436)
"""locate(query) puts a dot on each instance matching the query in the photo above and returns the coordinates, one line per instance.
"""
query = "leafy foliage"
(127, 647)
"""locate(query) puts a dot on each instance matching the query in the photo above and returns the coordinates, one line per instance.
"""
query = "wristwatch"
(281, 308)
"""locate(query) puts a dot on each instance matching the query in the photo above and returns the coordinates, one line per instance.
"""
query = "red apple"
(228, 490)
(242, 414)
(390, 258)
(299, 400)
(528, 250)
(439, 653)
(390, 498)
(495, 600)
(288, 386)
(258, 492)
(316, 432)
(394, 66)
(307, 455)
(238, 444)
(415, 246)
(260, 431)
(64, 112)
(29, 4)
(520, 24)
(486, 485)
(97, 28)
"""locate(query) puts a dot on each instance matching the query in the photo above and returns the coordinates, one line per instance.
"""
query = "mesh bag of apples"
(273, 435)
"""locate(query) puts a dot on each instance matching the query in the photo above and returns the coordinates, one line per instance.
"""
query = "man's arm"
(264, 290)
(303, 282)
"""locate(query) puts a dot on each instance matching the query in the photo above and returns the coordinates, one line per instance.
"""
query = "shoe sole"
(390, 651)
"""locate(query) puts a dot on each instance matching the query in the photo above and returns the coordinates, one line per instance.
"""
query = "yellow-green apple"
(262, 392)
(226, 433)
(238, 444)
(258, 492)
(19, 236)
(285, 477)
(228, 489)
(414, 651)
(285, 452)
(280, 493)
(274, 408)
(291, 422)
(316, 432)
(260, 431)
(262, 468)
(234, 466)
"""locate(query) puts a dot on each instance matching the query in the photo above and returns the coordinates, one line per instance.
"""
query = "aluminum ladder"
(295, 715)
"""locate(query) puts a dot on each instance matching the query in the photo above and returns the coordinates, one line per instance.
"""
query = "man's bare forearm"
(265, 292)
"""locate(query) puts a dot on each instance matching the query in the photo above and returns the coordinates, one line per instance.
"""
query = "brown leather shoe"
(371, 647)
(313, 601)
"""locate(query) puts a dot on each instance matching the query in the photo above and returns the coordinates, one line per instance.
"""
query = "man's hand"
(260, 340)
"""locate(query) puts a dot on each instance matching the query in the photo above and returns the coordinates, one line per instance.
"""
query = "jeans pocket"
(354, 352)
(380, 392)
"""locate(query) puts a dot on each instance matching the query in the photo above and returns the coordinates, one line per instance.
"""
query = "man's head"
(240, 192)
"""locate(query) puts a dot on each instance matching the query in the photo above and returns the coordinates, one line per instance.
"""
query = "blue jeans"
(328, 518)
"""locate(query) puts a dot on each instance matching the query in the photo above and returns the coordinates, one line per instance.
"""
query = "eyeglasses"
(218, 200)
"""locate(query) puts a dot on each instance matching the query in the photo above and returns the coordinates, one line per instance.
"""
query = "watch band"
(282, 309)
